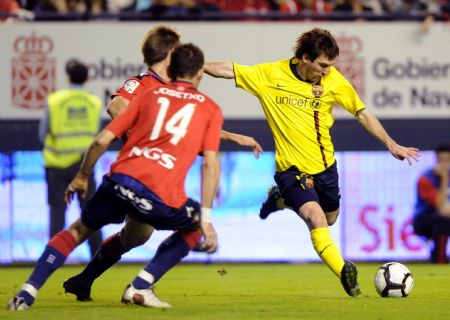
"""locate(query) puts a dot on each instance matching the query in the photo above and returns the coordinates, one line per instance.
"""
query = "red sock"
(64, 242)
(191, 237)
(113, 246)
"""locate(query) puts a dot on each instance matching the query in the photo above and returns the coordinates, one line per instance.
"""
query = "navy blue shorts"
(297, 188)
(113, 201)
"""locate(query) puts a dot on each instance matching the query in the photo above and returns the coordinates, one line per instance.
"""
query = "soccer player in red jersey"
(157, 47)
(168, 126)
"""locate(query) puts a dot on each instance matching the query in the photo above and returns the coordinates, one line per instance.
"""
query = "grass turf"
(237, 291)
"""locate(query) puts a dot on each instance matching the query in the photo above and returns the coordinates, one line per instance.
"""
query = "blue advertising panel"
(375, 221)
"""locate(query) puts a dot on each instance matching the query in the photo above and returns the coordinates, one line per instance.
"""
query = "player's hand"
(246, 141)
(210, 243)
(78, 185)
(402, 153)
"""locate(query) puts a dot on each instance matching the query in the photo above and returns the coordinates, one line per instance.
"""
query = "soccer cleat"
(17, 304)
(349, 279)
(75, 286)
(270, 205)
(143, 297)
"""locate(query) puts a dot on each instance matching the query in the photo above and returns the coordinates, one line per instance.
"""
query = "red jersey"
(170, 125)
(139, 84)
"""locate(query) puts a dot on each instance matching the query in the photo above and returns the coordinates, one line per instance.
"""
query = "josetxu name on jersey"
(180, 94)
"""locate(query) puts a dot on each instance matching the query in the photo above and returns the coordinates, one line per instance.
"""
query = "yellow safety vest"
(74, 119)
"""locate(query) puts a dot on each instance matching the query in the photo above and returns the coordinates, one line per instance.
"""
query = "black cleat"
(75, 286)
(349, 279)
(270, 205)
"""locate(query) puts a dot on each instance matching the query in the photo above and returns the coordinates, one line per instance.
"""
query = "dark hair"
(443, 147)
(77, 71)
(316, 42)
(186, 61)
(157, 44)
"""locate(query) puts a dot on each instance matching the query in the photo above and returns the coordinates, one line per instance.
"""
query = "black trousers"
(57, 182)
(437, 229)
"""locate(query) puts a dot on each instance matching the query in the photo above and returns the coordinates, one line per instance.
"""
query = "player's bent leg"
(53, 257)
(313, 215)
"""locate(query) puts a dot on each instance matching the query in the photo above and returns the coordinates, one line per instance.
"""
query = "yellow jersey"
(299, 113)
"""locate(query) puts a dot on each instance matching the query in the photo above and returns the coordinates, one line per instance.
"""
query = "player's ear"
(199, 74)
(305, 58)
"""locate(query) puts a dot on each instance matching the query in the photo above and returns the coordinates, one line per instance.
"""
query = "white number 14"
(176, 125)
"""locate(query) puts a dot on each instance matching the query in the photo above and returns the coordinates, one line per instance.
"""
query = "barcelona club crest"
(33, 71)
(317, 90)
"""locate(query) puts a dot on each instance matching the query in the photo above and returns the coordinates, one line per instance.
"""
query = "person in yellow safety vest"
(70, 123)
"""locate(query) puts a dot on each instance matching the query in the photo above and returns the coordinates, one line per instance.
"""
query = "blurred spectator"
(429, 8)
(13, 7)
(72, 6)
(353, 6)
(9, 6)
(432, 212)
(181, 8)
(285, 6)
(315, 6)
(256, 7)
(69, 124)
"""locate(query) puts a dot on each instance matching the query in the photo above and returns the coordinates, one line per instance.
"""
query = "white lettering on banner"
(126, 193)
(180, 95)
(156, 154)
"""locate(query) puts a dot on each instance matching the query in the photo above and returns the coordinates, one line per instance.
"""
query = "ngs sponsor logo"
(156, 154)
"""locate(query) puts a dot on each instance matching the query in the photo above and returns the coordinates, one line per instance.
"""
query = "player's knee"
(313, 215)
(134, 241)
(332, 217)
(79, 231)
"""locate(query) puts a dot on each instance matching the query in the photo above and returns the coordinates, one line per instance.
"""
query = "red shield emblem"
(33, 71)
(350, 63)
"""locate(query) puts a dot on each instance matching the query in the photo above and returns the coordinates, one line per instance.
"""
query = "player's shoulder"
(147, 79)
(335, 78)
(335, 74)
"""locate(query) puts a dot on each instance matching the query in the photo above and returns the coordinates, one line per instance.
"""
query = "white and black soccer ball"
(393, 279)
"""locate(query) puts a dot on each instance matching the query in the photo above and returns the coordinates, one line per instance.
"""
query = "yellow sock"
(327, 250)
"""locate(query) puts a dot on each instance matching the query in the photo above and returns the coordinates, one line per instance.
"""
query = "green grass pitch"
(237, 291)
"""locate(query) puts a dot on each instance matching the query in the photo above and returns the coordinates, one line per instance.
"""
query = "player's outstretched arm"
(223, 69)
(210, 180)
(244, 141)
(79, 184)
(371, 123)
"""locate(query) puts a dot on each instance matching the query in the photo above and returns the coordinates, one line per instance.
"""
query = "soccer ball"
(393, 279)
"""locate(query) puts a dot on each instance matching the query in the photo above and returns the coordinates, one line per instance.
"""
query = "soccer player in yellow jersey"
(297, 96)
